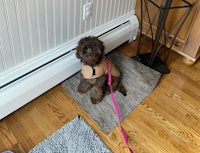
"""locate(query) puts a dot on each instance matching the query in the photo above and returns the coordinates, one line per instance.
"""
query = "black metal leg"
(151, 59)
(160, 28)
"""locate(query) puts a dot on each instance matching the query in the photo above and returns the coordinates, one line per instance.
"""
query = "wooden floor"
(167, 121)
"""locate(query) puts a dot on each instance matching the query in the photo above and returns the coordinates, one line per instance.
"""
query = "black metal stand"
(151, 59)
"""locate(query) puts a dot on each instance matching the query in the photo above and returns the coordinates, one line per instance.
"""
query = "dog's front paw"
(81, 89)
(96, 95)
(96, 100)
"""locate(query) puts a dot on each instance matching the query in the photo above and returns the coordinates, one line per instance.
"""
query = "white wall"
(34, 32)
(31, 27)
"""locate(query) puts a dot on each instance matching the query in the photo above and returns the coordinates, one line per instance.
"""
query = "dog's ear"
(101, 46)
(78, 51)
(78, 48)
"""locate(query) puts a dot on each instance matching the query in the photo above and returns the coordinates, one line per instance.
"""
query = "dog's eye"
(84, 50)
(84, 47)
(94, 45)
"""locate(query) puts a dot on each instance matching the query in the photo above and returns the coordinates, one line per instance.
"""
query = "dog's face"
(90, 50)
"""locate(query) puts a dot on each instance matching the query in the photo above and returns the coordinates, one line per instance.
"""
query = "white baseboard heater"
(29, 80)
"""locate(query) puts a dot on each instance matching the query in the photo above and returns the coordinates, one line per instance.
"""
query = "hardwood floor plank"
(174, 132)
(146, 136)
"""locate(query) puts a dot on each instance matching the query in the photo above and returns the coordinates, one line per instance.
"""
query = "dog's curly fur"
(90, 51)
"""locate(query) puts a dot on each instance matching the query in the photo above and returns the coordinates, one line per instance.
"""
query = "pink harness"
(116, 106)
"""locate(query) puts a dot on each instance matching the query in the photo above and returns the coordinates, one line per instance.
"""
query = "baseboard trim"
(25, 90)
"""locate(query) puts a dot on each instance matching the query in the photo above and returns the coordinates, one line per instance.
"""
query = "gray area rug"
(138, 79)
(74, 137)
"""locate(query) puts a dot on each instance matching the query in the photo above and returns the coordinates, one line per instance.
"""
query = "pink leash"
(116, 106)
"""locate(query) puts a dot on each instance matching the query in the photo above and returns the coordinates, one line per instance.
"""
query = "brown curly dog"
(90, 51)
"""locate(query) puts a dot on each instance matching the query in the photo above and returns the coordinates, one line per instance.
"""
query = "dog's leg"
(96, 95)
(115, 83)
(84, 85)
(117, 86)
(97, 90)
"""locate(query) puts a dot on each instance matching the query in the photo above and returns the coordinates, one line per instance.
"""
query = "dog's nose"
(89, 50)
